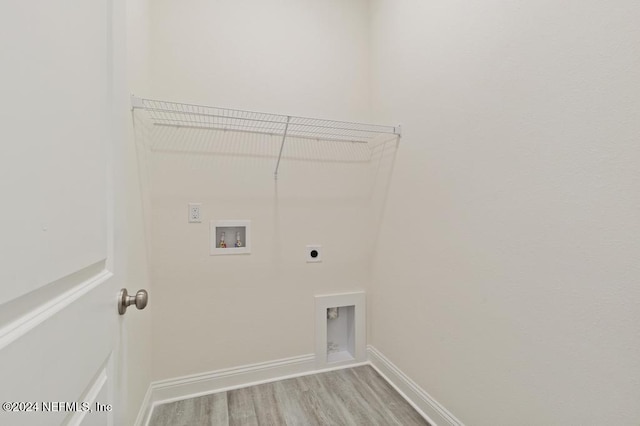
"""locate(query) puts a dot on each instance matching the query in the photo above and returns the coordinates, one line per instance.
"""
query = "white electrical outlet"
(194, 213)
(314, 253)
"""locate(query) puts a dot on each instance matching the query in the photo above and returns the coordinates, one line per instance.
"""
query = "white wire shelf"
(174, 114)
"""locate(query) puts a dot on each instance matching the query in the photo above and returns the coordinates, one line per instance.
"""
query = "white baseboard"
(195, 385)
(428, 407)
(192, 386)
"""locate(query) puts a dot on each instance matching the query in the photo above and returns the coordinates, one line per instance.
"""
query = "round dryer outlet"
(314, 253)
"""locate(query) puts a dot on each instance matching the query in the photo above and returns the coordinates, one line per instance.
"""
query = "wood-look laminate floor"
(354, 396)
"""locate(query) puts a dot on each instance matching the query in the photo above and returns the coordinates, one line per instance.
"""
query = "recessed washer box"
(230, 237)
(341, 336)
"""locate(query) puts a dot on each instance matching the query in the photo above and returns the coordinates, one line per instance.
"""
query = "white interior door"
(58, 278)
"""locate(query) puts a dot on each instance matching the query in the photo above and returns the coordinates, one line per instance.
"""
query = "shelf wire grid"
(164, 113)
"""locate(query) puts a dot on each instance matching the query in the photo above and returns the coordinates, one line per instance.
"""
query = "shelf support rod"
(136, 102)
(284, 137)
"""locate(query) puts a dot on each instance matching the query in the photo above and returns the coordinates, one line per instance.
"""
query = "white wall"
(513, 298)
(297, 57)
(304, 57)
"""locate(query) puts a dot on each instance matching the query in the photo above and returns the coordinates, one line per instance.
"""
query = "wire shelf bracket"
(284, 137)
(173, 114)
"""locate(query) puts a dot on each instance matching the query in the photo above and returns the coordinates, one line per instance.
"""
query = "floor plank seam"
(350, 397)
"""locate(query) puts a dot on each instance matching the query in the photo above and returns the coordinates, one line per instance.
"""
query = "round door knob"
(124, 300)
